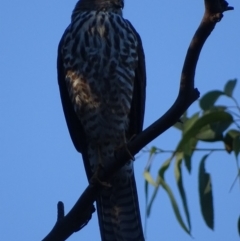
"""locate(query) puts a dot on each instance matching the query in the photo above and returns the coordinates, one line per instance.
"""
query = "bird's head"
(98, 5)
(107, 5)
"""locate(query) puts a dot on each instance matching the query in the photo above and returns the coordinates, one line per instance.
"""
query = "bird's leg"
(132, 158)
(123, 145)
(96, 179)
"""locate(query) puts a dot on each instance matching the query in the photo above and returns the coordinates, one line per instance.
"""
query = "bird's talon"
(124, 146)
(96, 179)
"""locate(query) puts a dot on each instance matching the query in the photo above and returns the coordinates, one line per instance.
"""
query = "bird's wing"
(74, 125)
(136, 115)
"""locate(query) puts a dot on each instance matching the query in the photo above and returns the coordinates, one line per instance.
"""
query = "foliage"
(212, 123)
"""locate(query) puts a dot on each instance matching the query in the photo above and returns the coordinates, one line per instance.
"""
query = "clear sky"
(38, 163)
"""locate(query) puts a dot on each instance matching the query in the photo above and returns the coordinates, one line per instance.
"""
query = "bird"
(102, 83)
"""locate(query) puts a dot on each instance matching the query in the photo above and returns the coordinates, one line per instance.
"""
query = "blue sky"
(39, 165)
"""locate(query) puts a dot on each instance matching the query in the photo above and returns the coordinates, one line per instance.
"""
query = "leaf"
(214, 131)
(229, 138)
(221, 126)
(174, 205)
(148, 177)
(188, 150)
(205, 194)
(164, 167)
(162, 170)
(149, 206)
(209, 136)
(229, 87)
(152, 153)
(236, 146)
(233, 133)
(218, 108)
(178, 176)
(147, 174)
(190, 122)
(207, 119)
(208, 100)
(180, 125)
(162, 182)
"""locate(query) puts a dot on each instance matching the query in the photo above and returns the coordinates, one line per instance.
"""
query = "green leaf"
(178, 175)
(207, 119)
(174, 205)
(214, 131)
(152, 153)
(236, 146)
(205, 194)
(229, 87)
(229, 138)
(220, 126)
(149, 206)
(162, 182)
(208, 100)
(190, 122)
(208, 135)
(148, 177)
(183, 119)
(147, 174)
(164, 167)
(178, 125)
(162, 170)
(188, 150)
(218, 108)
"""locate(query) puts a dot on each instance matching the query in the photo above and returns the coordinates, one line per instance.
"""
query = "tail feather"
(118, 210)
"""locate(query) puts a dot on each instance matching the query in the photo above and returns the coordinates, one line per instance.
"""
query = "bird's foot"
(96, 179)
(124, 146)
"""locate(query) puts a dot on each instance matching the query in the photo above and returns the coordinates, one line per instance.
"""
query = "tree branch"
(81, 212)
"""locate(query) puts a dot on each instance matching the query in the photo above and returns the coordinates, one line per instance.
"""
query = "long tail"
(118, 209)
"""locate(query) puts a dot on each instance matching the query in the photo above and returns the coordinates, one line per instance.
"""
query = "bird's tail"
(118, 208)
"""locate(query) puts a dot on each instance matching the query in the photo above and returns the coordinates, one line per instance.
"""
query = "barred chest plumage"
(100, 57)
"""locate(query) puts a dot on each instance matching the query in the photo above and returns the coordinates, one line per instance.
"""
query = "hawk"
(102, 81)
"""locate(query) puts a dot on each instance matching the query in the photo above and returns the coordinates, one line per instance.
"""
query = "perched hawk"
(102, 80)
